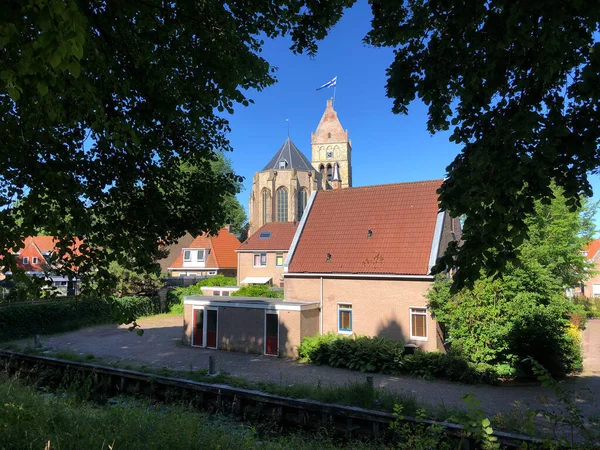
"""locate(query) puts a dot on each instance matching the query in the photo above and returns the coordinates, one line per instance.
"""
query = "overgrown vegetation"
(590, 306)
(20, 321)
(258, 290)
(387, 356)
(523, 312)
(29, 419)
(175, 297)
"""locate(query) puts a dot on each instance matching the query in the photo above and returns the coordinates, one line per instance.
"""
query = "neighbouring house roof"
(221, 248)
(293, 157)
(40, 247)
(593, 248)
(174, 251)
(402, 220)
(280, 237)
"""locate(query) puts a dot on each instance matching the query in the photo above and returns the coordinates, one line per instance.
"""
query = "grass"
(351, 394)
(29, 419)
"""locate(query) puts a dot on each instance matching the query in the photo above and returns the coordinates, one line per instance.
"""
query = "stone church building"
(280, 191)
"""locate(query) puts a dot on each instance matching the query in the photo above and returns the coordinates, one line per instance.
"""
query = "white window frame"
(275, 312)
(203, 255)
(339, 309)
(261, 265)
(189, 258)
(418, 338)
(25, 259)
(205, 326)
(282, 259)
(593, 293)
(34, 260)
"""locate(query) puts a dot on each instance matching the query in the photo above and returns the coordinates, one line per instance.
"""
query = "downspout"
(321, 310)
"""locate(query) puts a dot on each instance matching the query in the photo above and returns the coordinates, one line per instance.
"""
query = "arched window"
(282, 205)
(302, 198)
(322, 171)
(266, 204)
(329, 172)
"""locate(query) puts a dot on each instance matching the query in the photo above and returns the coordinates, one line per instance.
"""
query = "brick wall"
(241, 329)
(187, 324)
(379, 307)
(588, 289)
(246, 267)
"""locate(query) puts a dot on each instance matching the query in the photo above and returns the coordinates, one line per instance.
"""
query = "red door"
(211, 328)
(272, 334)
(198, 328)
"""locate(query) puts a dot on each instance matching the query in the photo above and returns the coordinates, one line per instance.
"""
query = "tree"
(517, 81)
(500, 321)
(103, 103)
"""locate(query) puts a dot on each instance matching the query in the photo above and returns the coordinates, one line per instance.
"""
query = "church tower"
(330, 148)
(280, 191)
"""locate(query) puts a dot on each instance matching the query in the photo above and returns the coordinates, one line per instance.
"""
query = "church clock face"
(329, 155)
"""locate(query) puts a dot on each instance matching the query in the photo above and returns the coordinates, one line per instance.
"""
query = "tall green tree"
(500, 321)
(104, 102)
(517, 83)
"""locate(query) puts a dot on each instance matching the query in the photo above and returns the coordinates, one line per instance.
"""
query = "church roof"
(292, 156)
(330, 129)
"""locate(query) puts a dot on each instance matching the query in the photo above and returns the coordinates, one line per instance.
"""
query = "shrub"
(588, 306)
(382, 355)
(21, 321)
(175, 296)
(258, 290)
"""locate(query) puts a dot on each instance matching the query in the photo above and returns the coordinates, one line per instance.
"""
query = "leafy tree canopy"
(517, 82)
(501, 321)
(103, 104)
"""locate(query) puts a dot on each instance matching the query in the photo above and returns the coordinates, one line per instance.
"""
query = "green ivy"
(258, 290)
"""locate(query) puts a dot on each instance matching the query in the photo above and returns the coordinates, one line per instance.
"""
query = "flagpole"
(334, 88)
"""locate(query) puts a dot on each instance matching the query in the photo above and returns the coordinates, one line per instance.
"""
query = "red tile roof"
(593, 248)
(402, 218)
(37, 246)
(222, 250)
(282, 235)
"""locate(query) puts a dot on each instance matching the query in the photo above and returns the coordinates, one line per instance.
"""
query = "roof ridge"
(382, 185)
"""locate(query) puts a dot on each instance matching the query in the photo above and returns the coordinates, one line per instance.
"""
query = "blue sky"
(386, 148)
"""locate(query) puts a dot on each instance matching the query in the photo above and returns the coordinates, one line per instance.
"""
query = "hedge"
(175, 296)
(21, 321)
(387, 356)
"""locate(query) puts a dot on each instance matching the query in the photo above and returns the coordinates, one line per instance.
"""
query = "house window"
(200, 255)
(217, 293)
(344, 318)
(596, 290)
(187, 255)
(34, 260)
(265, 205)
(260, 260)
(282, 205)
(225, 293)
(302, 197)
(329, 172)
(25, 260)
(279, 259)
(418, 324)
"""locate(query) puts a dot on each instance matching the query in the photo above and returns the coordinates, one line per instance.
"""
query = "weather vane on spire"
(288, 126)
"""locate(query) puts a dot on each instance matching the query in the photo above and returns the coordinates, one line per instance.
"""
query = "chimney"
(228, 228)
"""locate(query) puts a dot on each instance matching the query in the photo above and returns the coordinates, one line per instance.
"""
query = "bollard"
(37, 343)
(370, 382)
(211, 365)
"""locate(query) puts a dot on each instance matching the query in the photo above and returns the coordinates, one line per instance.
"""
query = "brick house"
(591, 287)
(35, 259)
(207, 256)
(261, 256)
(365, 255)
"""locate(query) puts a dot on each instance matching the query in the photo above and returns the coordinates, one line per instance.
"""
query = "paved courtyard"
(160, 346)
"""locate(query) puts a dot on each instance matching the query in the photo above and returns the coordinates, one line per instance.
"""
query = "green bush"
(258, 290)
(21, 321)
(175, 296)
(381, 355)
(587, 305)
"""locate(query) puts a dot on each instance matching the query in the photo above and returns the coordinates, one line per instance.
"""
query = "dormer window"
(25, 260)
(187, 255)
(201, 254)
(282, 164)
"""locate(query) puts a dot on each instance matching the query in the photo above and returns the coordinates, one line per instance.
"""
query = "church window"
(265, 205)
(302, 198)
(322, 171)
(282, 205)
(329, 172)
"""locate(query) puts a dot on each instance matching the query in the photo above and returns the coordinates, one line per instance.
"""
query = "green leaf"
(74, 68)
(77, 50)
(488, 430)
(485, 422)
(14, 93)
(55, 60)
(42, 88)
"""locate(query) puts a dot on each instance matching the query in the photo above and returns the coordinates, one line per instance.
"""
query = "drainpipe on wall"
(321, 311)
